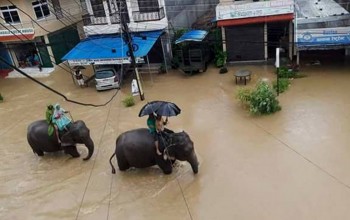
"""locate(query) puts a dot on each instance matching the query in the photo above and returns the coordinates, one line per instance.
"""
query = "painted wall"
(70, 9)
(183, 13)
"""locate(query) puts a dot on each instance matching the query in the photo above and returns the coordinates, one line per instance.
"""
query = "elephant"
(136, 148)
(40, 141)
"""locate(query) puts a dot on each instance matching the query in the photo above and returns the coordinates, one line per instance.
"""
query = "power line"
(55, 91)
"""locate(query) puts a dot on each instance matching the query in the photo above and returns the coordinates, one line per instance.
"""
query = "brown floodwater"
(289, 165)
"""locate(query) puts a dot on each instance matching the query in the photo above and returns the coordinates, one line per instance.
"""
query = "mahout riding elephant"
(136, 148)
(40, 141)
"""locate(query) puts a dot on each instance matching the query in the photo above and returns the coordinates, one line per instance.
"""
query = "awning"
(194, 35)
(111, 49)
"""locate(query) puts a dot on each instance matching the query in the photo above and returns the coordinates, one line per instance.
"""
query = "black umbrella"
(150, 108)
(168, 109)
(162, 108)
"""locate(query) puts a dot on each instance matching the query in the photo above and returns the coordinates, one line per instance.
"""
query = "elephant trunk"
(194, 162)
(90, 146)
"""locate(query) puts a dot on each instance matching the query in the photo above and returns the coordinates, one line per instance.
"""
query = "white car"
(107, 78)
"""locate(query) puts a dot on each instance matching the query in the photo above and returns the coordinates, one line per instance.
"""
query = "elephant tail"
(110, 162)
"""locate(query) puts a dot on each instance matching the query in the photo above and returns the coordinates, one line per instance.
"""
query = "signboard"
(323, 36)
(86, 62)
(16, 35)
(254, 9)
(24, 31)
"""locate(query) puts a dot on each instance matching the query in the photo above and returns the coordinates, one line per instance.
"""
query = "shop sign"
(24, 31)
(254, 9)
(85, 62)
(323, 36)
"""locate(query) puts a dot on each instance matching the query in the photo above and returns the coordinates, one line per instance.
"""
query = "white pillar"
(105, 7)
(265, 42)
(290, 41)
(298, 58)
(49, 49)
(13, 57)
(223, 36)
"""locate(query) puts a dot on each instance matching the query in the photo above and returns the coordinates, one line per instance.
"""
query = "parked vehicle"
(110, 76)
(107, 78)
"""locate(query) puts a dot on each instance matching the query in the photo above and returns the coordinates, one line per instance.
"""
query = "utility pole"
(127, 38)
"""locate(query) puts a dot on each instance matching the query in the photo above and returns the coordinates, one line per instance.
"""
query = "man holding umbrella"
(155, 110)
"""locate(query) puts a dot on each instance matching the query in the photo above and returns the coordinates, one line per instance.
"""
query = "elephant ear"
(50, 130)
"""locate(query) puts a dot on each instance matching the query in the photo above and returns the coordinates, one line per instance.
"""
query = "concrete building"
(252, 30)
(323, 29)
(182, 14)
(147, 20)
(46, 28)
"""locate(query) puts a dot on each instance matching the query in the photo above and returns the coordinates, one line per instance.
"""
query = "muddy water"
(291, 165)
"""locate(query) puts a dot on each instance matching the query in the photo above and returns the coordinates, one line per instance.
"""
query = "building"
(322, 30)
(46, 28)
(252, 30)
(147, 21)
(183, 14)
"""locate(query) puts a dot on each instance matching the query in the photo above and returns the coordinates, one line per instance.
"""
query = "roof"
(194, 35)
(111, 49)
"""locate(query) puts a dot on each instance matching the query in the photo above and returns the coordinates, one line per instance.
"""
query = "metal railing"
(92, 20)
(148, 16)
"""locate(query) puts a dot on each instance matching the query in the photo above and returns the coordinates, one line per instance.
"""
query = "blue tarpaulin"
(194, 35)
(111, 49)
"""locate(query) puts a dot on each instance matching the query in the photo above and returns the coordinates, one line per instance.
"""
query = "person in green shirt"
(151, 123)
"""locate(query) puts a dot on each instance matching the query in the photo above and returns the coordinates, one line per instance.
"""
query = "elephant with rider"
(76, 133)
(135, 148)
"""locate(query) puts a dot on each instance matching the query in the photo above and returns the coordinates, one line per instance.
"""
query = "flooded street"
(289, 165)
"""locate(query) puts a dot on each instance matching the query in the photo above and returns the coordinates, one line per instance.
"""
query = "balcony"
(92, 20)
(148, 16)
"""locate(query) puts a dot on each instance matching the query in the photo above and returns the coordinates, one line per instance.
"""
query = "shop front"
(252, 31)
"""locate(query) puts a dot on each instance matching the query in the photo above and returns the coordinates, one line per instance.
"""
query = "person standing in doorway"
(79, 78)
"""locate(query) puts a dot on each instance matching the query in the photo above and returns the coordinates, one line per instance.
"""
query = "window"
(97, 8)
(148, 6)
(41, 9)
(10, 14)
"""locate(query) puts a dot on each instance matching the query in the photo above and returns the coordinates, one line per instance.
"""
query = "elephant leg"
(72, 150)
(165, 165)
(122, 163)
(40, 153)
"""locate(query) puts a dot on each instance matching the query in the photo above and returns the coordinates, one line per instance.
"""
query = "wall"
(70, 9)
(183, 13)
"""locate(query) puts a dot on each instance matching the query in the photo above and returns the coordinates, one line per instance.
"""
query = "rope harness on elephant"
(167, 145)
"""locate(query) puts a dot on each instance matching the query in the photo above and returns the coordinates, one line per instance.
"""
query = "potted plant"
(162, 68)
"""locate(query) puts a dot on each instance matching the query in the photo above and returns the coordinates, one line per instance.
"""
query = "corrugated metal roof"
(112, 46)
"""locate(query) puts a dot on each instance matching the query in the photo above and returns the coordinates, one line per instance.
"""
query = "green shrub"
(261, 101)
(244, 96)
(220, 58)
(283, 85)
(1, 98)
(129, 101)
(284, 72)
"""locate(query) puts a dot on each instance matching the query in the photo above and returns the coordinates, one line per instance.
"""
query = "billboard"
(254, 9)
(323, 36)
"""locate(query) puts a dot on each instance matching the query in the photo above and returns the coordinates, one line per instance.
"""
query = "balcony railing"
(148, 16)
(92, 20)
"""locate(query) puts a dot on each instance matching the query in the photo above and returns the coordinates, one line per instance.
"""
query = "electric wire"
(55, 91)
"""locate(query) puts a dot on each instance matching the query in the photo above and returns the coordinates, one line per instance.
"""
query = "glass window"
(148, 6)
(102, 74)
(97, 8)
(41, 9)
(10, 14)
